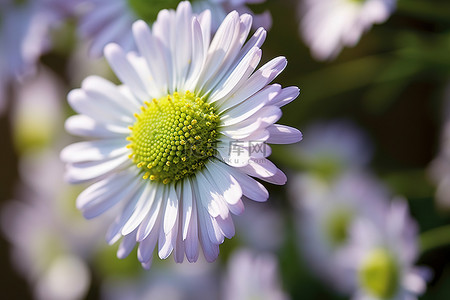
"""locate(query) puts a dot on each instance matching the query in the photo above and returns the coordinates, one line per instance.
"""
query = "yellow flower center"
(379, 274)
(337, 226)
(173, 136)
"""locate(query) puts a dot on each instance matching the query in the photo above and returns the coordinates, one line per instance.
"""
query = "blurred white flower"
(327, 212)
(80, 65)
(439, 170)
(37, 113)
(382, 256)
(105, 21)
(333, 147)
(49, 240)
(173, 281)
(329, 25)
(263, 234)
(177, 145)
(252, 276)
(24, 36)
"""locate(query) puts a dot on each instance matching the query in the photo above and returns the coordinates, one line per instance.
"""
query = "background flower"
(383, 254)
(252, 275)
(326, 216)
(329, 25)
(24, 35)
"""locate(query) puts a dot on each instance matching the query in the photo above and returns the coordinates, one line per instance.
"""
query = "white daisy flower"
(326, 215)
(329, 25)
(105, 21)
(383, 254)
(252, 276)
(24, 28)
(178, 144)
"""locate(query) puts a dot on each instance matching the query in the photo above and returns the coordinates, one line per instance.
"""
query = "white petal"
(264, 117)
(114, 231)
(286, 95)
(280, 134)
(167, 242)
(84, 104)
(146, 265)
(94, 150)
(210, 197)
(228, 185)
(256, 40)
(82, 125)
(247, 107)
(178, 250)
(192, 240)
(226, 226)
(182, 55)
(162, 33)
(237, 208)
(125, 71)
(262, 168)
(152, 50)
(251, 188)
(187, 199)
(147, 246)
(86, 171)
(152, 217)
(279, 178)
(106, 93)
(233, 152)
(198, 55)
(208, 224)
(171, 211)
(142, 208)
(102, 195)
(204, 19)
(237, 77)
(127, 245)
(231, 51)
(210, 250)
(218, 51)
(256, 82)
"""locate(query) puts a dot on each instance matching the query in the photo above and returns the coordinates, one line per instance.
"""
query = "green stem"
(425, 9)
(435, 238)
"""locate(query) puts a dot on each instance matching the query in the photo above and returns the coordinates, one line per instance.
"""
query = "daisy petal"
(103, 195)
(124, 70)
(94, 150)
(86, 171)
(280, 134)
(82, 125)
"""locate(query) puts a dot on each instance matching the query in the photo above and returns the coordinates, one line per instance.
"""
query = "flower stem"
(435, 238)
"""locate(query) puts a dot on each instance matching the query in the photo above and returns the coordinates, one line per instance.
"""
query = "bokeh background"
(392, 87)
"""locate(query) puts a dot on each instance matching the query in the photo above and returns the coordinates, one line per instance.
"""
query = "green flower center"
(173, 136)
(379, 274)
(337, 226)
(148, 10)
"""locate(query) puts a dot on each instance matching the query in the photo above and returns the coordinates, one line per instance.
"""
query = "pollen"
(173, 136)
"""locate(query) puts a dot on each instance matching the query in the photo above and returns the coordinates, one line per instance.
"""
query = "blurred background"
(376, 122)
